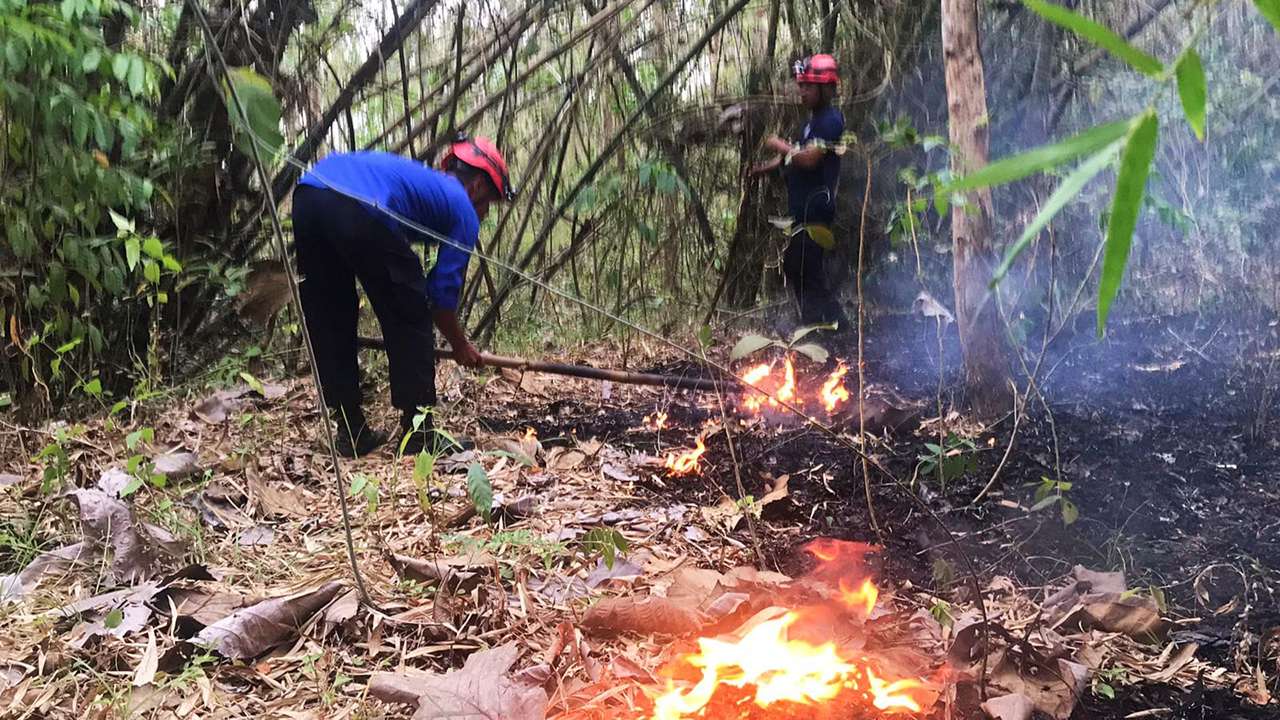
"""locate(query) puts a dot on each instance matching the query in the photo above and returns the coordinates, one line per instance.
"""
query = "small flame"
(833, 391)
(686, 463)
(787, 392)
(530, 434)
(657, 421)
(863, 598)
(779, 669)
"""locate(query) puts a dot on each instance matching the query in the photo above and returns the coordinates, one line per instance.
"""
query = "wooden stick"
(582, 371)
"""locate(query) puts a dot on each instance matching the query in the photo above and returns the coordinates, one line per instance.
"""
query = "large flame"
(780, 669)
(753, 377)
(686, 462)
(785, 388)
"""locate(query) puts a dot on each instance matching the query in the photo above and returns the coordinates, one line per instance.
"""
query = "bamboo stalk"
(582, 371)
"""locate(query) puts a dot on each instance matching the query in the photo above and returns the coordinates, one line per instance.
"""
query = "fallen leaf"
(148, 663)
(455, 573)
(622, 569)
(7, 479)
(642, 615)
(218, 407)
(17, 585)
(272, 501)
(203, 606)
(776, 490)
(257, 535)
(138, 549)
(253, 630)
(1014, 706)
(1184, 657)
(113, 481)
(176, 465)
(342, 609)
(1133, 615)
(482, 689)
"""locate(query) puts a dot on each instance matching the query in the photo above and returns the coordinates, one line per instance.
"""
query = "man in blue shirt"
(347, 223)
(812, 171)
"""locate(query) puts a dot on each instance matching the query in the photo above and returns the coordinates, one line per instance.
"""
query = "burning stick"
(686, 463)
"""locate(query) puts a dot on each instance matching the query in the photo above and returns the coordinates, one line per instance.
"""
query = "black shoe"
(365, 441)
(436, 443)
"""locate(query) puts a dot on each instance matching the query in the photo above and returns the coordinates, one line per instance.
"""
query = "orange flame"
(657, 421)
(530, 434)
(787, 392)
(686, 462)
(863, 598)
(753, 377)
(780, 670)
(833, 391)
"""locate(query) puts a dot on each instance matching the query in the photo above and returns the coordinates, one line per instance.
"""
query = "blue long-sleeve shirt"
(812, 192)
(418, 193)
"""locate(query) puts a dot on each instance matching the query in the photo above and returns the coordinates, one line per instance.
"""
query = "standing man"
(345, 224)
(812, 170)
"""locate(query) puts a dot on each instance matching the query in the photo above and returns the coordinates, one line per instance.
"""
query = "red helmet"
(817, 69)
(482, 154)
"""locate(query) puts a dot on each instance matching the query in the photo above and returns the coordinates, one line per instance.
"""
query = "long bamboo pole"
(582, 371)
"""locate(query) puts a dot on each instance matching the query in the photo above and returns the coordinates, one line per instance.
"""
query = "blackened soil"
(1166, 432)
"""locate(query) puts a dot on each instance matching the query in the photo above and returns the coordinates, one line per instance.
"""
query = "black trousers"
(802, 265)
(340, 240)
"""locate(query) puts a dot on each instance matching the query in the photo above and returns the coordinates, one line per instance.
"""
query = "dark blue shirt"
(427, 197)
(811, 194)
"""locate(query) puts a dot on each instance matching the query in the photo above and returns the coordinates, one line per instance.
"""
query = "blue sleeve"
(828, 126)
(444, 282)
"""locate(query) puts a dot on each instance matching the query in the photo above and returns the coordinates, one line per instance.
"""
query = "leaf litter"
(513, 619)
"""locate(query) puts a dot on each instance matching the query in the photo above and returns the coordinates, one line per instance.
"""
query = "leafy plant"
(1133, 141)
(605, 542)
(1054, 492)
(363, 485)
(480, 490)
(753, 343)
(950, 460)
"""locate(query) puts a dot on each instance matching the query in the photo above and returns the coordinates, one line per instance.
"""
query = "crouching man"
(349, 216)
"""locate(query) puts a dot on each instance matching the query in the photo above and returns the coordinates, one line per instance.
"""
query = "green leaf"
(1192, 90)
(1098, 35)
(153, 247)
(747, 345)
(1070, 513)
(145, 434)
(132, 252)
(171, 264)
(137, 74)
(253, 383)
(1047, 156)
(1067, 190)
(260, 108)
(91, 60)
(93, 387)
(814, 352)
(151, 271)
(113, 619)
(358, 483)
(1131, 186)
(479, 490)
(803, 332)
(122, 223)
(1104, 690)
(1270, 9)
(423, 465)
(131, 487)
(704, 336)
(120, 67)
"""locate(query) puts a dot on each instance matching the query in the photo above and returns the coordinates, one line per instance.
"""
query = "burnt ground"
(1156, 430)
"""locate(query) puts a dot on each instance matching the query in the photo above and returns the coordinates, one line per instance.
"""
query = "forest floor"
(227, 593)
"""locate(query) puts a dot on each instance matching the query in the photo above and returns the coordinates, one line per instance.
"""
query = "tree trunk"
(985, 358)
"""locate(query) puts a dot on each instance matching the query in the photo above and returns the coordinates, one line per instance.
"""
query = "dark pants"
(802, 266)
(338, 241)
